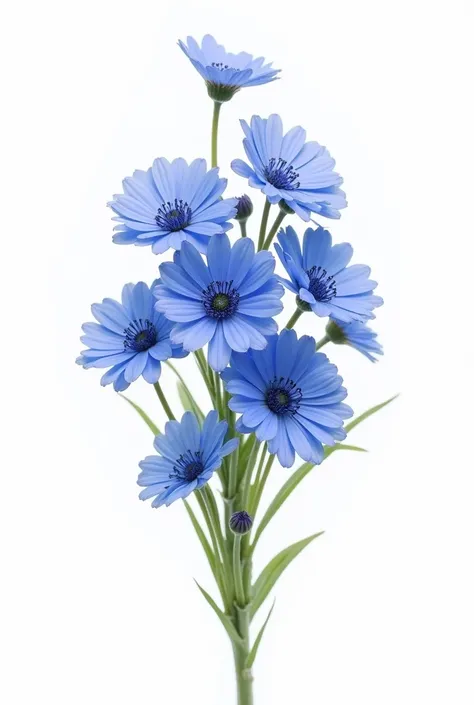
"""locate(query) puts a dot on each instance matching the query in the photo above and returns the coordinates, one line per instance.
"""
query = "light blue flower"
(321, 279)
(288, 169)
(228, 303)
(130, 338)
(357, 335)
(188, 457)
(226, 73)
(288, 395)
(172, 203)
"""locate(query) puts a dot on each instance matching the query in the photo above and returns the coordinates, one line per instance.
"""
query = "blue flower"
(188, 456)
(321, 279)
(226, 73)
(171, 203)
(228, 303)
(357, 335)
(288, 169)
(130, 337)
(288, 395)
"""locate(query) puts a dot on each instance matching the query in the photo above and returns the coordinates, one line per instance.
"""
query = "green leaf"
(202, 537)
(155, 430)
(328, 450)
(253, 652)
(188, 402)
(226, 621)
(270, 574)
(355, 422)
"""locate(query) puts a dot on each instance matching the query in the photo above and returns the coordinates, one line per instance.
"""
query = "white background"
(98, 603)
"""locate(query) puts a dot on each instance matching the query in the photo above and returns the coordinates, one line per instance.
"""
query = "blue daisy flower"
(226, 73)
(288, 169)
(357, 335)
(172, 203)
(131, 338)
(288, 395)
(321, 279)
(188, 457)
(228, 303)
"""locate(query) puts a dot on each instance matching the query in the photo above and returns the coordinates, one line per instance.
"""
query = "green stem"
(220, 572)
(243, 228)
(243, 674)
(263, 224)
(163, 401)
(237, 568)
(322, 342)
(275, 226)
(294, 318)
(261, 485)
(215, 126)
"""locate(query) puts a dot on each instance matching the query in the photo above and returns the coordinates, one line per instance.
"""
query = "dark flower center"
(321, 285)
(283, 396)
(188, 466)
(140, 335)
(222, 67)
(174, 215)
(281, 175)
(220, 300)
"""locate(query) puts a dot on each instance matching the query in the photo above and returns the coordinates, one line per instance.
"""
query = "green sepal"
(225, 620)
(155, 430)
(270, 574)
(254, 649)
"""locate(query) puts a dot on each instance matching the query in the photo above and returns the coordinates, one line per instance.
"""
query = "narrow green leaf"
(270, 574)
(226, 621)
(328, 450)
(188, 402)
(155, 430)
(201, 536)
(186, 398)
(253, 652)
(355, 422)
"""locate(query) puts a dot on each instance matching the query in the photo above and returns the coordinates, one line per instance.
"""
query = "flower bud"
(240, 522)
(244, 208)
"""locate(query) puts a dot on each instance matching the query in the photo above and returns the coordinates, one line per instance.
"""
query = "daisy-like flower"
(228, 303)
(226, 73)
(357, 335)
(321, 279)
(188, 457)
(171, 203)
(288, 169)
(288, 395)
(131, 338)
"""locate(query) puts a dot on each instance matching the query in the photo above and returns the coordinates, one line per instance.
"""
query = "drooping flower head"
(223, 72)
(357, 335)
(228, 302)
(188, 456)
(131, 338)
(288, 169)
(321, 279)
(288, 395)
(171, 203)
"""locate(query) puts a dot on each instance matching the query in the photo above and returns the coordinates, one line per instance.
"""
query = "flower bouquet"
(273, 394)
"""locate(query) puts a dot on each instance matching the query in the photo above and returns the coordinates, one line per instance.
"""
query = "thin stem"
(294, 318)
(261, 485)
(163, 401)
(275, 226)
(220, 573)
(322, 342)
(215, 126)
(243, 228)
(237, 568)
(263, 224)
